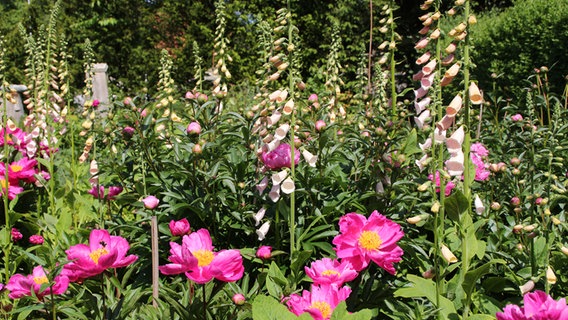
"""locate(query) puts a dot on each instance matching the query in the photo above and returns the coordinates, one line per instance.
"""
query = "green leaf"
(275, 281)
(472, 276)
(421, 287)
(455, 205)
(411, 144)
(341, 313)
(481, 317)
(267, 308)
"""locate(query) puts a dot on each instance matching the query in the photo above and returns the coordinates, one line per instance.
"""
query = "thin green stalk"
(292, 221)
(392, 50)
(204, 302)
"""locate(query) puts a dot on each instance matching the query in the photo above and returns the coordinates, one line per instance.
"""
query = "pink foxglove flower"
(113, 191)
(478, 152)
(362, 240)
(180, 227)
(450, 185)
(103, 252)
(280, 157)
(327, 271)
(319, 302)
(200, 263)
(21, 286)
(537, 305)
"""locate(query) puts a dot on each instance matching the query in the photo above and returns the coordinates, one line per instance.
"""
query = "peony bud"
(151, 202)
(264, 252)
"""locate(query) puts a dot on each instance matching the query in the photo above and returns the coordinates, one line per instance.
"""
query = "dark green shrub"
(513, 42)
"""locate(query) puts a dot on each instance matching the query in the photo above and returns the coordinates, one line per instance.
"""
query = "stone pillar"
(100, 86)
(14, 107)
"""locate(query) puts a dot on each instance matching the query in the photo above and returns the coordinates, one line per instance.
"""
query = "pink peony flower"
(319, 302)
(13, 189)
(180, 227)
(327, 271)
(239, 299)
(320, 125)
(103, 252)
(517, 117)
(21, 286)
(194, 128)
(280, 157)
(16, 235)
(264, 252)
(362, 240)
(128, 132)
(537, 306)
(36, 239)
(150, 202)
(200, 263)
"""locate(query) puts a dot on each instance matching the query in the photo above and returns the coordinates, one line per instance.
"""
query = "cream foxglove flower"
(263, 230)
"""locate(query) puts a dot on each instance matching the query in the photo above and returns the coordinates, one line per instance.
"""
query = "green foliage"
(510, 44)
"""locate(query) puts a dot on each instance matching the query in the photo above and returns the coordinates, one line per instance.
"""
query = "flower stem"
(155, 261)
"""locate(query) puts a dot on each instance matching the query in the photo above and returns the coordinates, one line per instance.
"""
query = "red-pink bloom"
(150, 202)
(517, 117)
(319, 302)
(280, 157)
(96, 103)
(15, 137)
(537, 306)
(193, 128)
(450, 185)
(36, 239)
(239, 299)
(113, 191)
(362, 240)
(21, 286)
(264, 252)
(23, 169)
(328, 271)
(478, 151)
(13, 189)
(16, 235)
(515, 201)
(128, 132)
(320, 125)
(225, 265)
(180, 227)
(103, 252)
(313, 97)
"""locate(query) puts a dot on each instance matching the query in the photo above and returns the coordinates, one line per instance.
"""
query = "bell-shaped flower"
(281, 132)
(429, 67)
(274, 193)
(278, 177)
(454, 106)
(274, 118)
(21, 286)
(310, 158)
(456, 164)
(327, 271)
(448, 255)
(474, 94)
(426, 145)
(259, 215)
(103, 252)
(363, 240)
(423, 162)
(288, 186)
(454, 143)
(263, 230)
(421, 105)
(423, 58)
(479, 207)
(422, 119)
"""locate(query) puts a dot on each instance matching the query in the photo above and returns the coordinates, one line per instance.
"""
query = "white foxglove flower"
(259, 215)
(263, 230)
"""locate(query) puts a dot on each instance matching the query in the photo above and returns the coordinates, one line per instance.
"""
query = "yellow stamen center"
(16, 167)
(370, 240)
(330, 273)
(97, 254)
(204, 257)
(323, 307)
(40, 280)
(3, 184)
